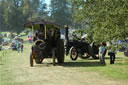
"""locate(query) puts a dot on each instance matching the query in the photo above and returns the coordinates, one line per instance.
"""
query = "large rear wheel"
(73, 53)
(60, 51)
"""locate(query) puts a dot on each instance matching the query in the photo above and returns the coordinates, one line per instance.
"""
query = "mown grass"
(8, 63)
(117, 71)
(5, 76)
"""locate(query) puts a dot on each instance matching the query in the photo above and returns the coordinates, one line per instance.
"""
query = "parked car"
(30, 39)
(13, 45)
(19, 39)
(5, 43)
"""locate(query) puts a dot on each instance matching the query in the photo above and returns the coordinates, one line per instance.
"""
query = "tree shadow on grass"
(71, 64)
(1, 64)
(81, 64)
(107, 58)
(43, 65)
(119, 59)
(96, 59)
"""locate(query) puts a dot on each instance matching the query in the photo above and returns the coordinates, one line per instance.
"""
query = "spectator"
(22, 47)
(18, 47)
(111, 53)
(101, 53)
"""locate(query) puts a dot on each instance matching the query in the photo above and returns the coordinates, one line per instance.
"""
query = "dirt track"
(20, 73)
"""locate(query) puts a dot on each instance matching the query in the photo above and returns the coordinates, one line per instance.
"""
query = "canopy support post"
(32, 32)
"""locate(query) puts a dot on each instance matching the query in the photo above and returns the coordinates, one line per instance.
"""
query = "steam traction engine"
(47, 42)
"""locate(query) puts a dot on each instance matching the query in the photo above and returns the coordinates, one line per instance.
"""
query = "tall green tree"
(14, 13)
(30, 9)
(61, 12)
(34, 10)
(105, 19)
(43, 12)
(2, 20)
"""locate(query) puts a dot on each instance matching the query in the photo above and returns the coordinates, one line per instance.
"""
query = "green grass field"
(15, 65)
(116, 71)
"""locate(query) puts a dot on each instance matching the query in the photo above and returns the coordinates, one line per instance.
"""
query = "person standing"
(18, 47)
(101, 53)
(111, 53)
(22, 46)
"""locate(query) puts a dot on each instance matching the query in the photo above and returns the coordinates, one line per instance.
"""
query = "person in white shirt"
(112, 53)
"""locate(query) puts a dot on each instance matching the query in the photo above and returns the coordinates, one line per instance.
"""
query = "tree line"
(14, 13)
(105, 20)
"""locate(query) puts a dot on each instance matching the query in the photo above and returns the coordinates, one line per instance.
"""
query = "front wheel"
(73, 53)
(31, 60)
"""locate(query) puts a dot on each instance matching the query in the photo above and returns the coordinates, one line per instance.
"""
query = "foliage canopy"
(106, 20)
